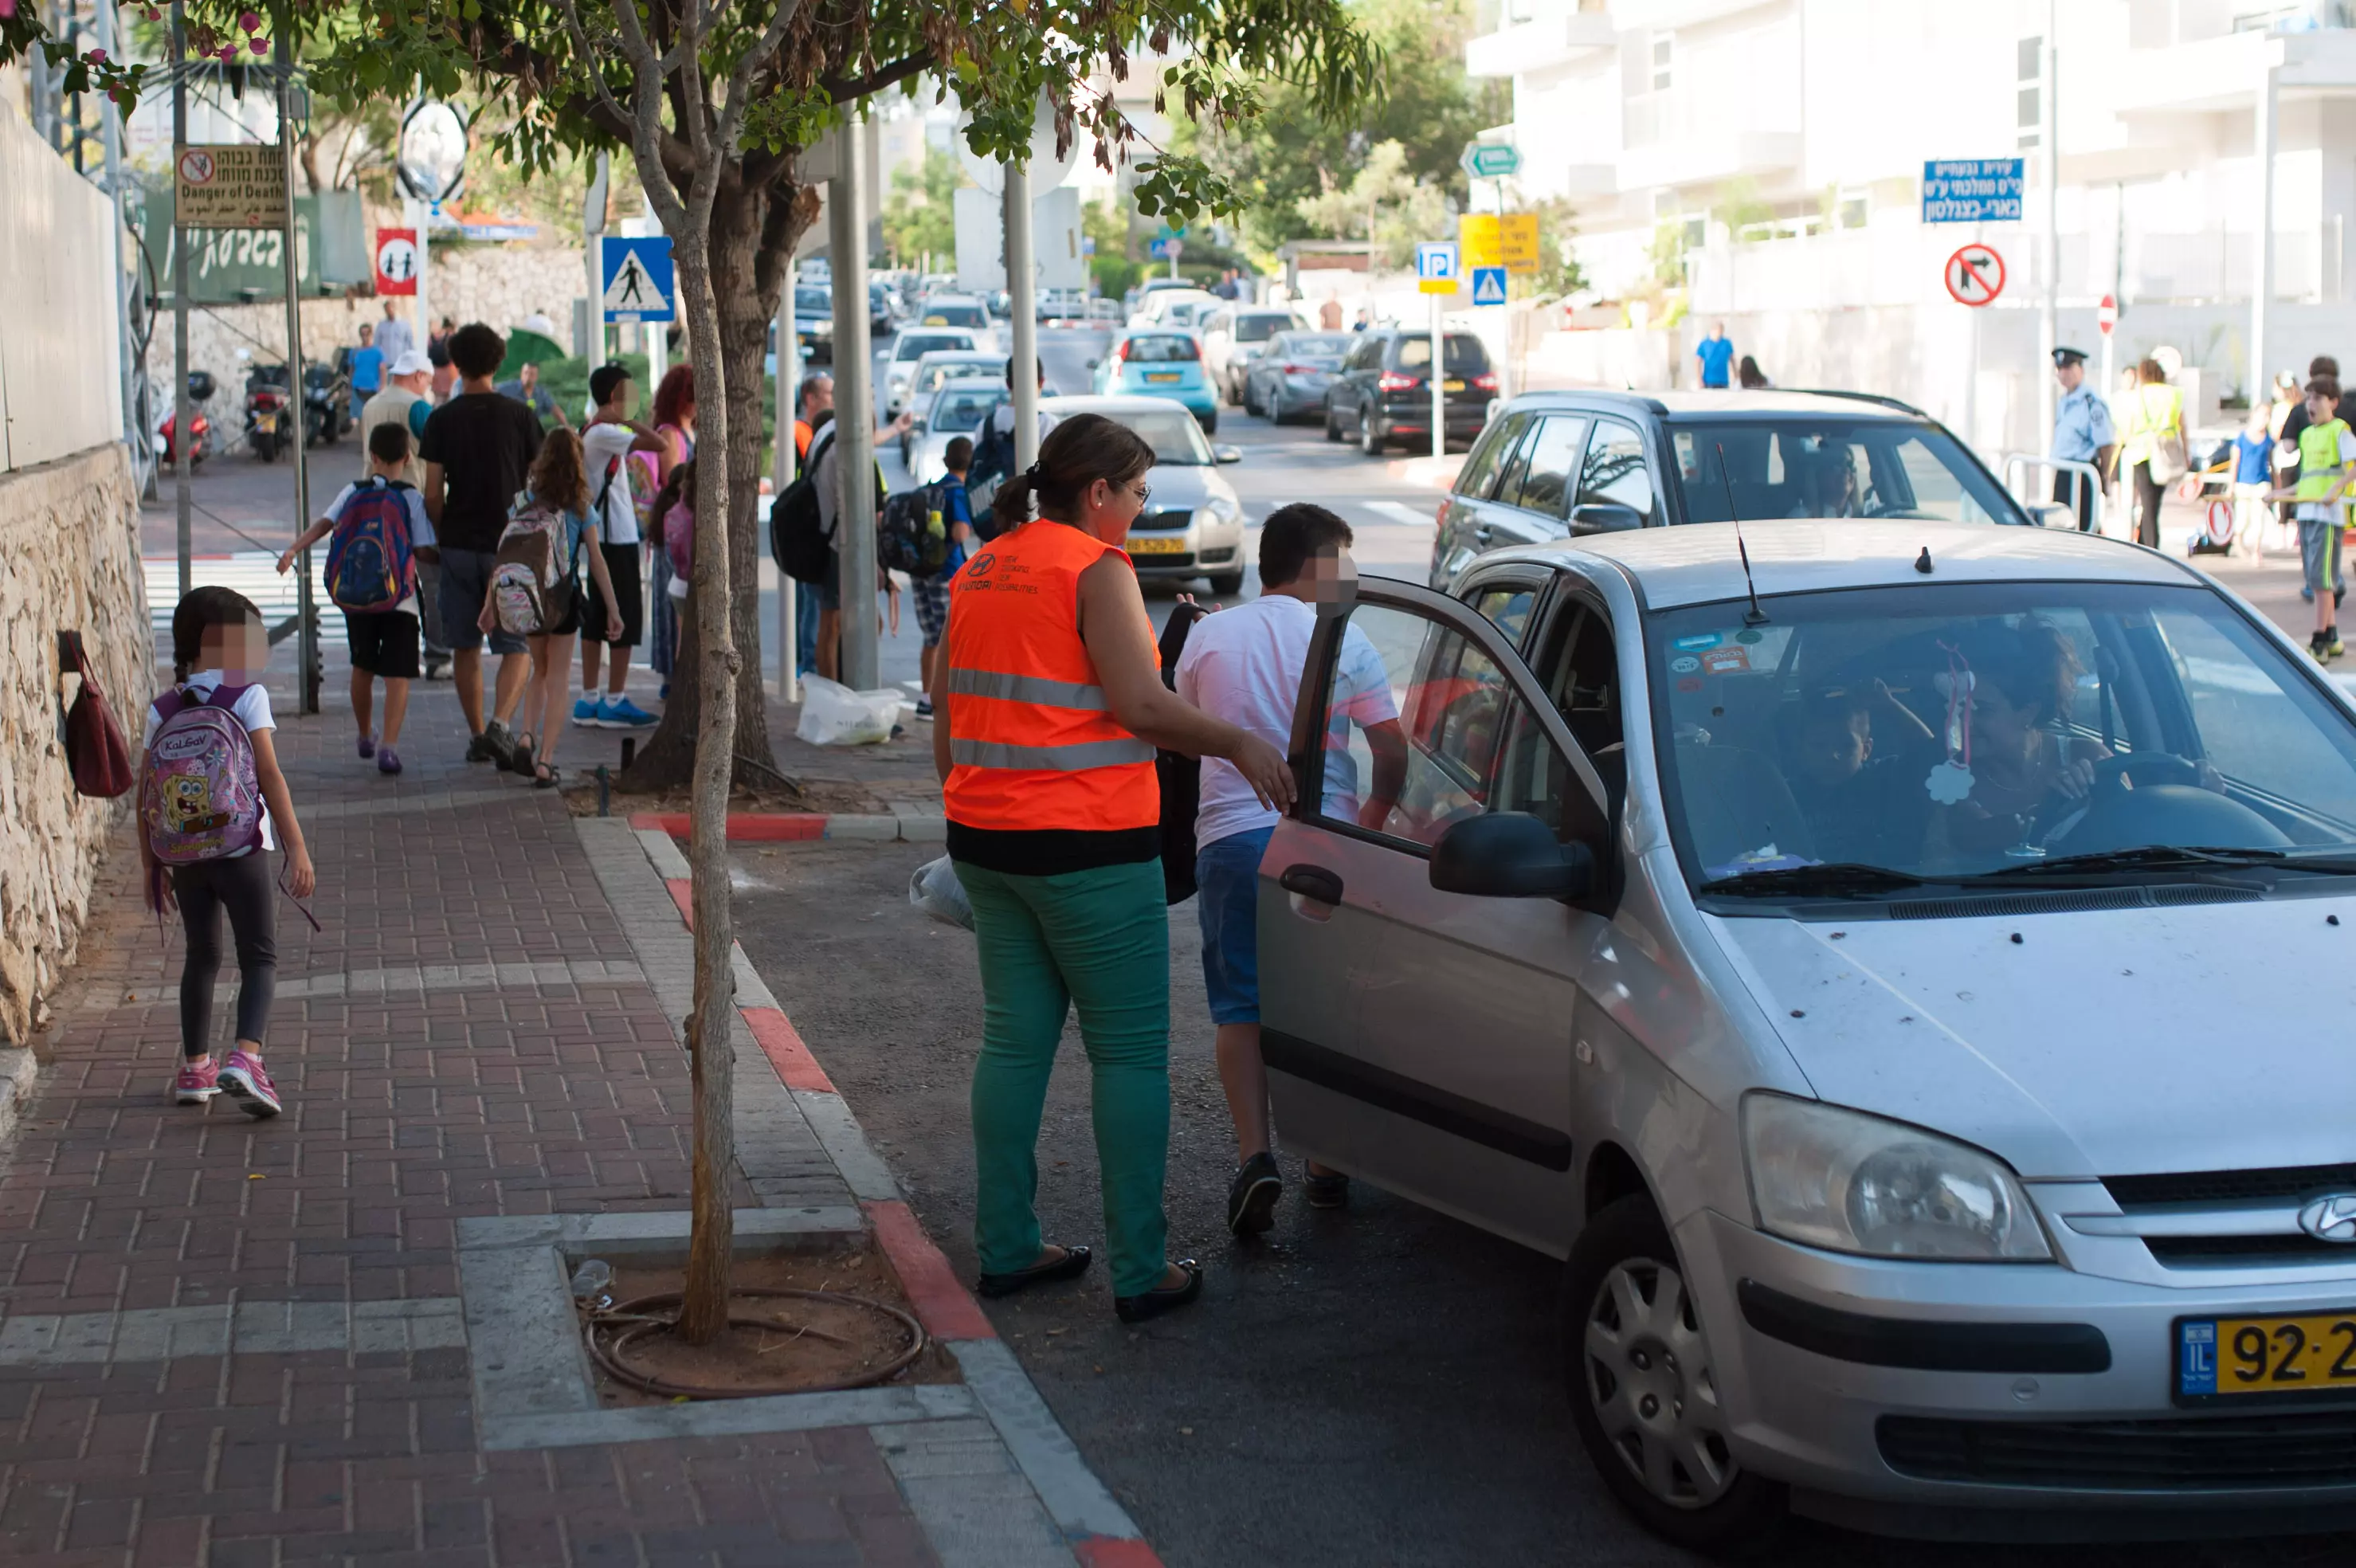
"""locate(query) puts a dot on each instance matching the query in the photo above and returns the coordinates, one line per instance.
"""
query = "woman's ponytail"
(1010, 509)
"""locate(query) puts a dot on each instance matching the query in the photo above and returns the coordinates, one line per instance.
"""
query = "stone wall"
(499, 284)
(69, 562)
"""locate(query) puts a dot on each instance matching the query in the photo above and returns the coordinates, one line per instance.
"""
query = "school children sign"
(241, 185)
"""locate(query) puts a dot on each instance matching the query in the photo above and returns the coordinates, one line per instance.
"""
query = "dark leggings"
(2147, 492)
(241, 887)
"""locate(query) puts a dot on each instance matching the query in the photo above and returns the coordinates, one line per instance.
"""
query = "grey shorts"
(2318, 553)
(466, 582)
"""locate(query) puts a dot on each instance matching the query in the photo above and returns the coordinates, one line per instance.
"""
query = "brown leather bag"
(95, 749)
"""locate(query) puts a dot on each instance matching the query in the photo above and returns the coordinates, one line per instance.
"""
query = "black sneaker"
(2318, 647)
(480, 749)
(1330, 1190)
(1251, 1197)
(924, 707)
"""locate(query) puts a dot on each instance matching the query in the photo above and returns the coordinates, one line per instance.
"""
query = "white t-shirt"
(602, 443)
(2324, 511)
(1243, 665)
(421, 530)
(251, 709)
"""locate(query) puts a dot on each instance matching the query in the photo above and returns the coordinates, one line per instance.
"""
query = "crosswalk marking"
(253, 573)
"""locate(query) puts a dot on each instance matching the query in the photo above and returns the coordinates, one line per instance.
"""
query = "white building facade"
(1768, 155)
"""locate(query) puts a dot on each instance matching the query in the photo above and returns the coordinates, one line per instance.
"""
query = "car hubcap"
(1649, 1381)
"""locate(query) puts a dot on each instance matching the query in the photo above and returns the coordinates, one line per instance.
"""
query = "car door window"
(1584, 681)
(1615, 471)
(1478, 478)
(1507, 605)
(1542, 477)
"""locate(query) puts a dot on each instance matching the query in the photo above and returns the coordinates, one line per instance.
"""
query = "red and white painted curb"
(806, 827)
(1093, 1523)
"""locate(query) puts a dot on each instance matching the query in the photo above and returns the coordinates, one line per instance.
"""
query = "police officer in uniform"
(2082, 434)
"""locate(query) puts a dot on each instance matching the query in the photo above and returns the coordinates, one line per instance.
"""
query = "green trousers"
(1101, 940)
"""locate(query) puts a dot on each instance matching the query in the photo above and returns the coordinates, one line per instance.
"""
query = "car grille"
(2226, 1236)
(1163, 562)
(2314, 1448)
(2230, 1186)
(1171, 518)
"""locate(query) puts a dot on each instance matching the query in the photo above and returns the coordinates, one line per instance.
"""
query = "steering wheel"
(2112, 794)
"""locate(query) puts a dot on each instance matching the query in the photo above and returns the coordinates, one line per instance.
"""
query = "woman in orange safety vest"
(1053, 708)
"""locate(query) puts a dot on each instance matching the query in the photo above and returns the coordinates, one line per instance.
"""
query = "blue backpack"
(372, 565)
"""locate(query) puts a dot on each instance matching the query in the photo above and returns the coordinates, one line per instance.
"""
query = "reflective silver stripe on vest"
(1029, 689)
(1073, 759)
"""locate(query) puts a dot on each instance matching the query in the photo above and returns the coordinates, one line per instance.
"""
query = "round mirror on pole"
(431, 159)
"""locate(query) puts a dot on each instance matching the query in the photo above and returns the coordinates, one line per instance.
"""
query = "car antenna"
(1754, 615)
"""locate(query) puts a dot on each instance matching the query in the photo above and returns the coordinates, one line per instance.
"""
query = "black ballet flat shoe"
(1070, 1266)
(1163, 1298)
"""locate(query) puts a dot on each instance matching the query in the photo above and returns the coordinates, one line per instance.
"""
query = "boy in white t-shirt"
(1243, 665)
(607, 442)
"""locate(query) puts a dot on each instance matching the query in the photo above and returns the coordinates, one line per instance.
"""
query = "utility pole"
(2048, 331)
(855, 408)
(182, 414)
(2263, 276)
(1022, 309)
(592, 249)
(307, 632)
(789, 378)
(109, 122)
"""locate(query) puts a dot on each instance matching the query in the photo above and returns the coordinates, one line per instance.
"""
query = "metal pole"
(1439, 387)
(183, 412)
(593, 230)
(307, 628)
(2048, 332)
(789, 379)
(854, 409)
(2263, 272)
(1022, 309)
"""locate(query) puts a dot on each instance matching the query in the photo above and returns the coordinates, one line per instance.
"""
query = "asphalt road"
(1379, 1386)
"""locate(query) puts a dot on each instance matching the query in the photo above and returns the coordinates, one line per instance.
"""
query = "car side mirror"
(1604, 517)
(1510, 854)
(1227, 453)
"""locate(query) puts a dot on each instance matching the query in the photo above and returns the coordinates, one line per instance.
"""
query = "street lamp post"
(854, 410)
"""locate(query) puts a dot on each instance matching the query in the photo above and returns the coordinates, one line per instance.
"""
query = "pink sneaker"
(194, 1085)
(246, 1082)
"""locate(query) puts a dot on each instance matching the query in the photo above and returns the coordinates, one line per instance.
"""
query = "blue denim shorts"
(1226, 900)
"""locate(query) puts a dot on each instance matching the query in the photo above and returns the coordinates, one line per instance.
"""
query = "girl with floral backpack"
(212, 805)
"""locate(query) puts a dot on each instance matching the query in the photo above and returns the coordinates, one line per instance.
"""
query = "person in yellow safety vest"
(2151, 449)
(2327, 469)
(1044, 738)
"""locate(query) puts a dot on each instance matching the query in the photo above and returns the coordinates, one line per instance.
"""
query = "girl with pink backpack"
(212, 805)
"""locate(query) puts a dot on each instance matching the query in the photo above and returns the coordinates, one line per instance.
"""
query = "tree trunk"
(753, 235)
(704, 1313)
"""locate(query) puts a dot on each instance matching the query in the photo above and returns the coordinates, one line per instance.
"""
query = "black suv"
(1558, 462)
(1382, 394)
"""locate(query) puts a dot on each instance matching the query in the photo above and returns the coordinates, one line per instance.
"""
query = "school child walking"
(212, 807)
(371, 573)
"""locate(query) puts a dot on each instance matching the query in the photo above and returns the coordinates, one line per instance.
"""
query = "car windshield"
(1466, 357)
(810, 302)
(930, 377)
(1163, 349)
(1260, 326)
(944, 315)
(916, 345)
(962, 408)
(1996, 732)
(1177, 441)
(1314, 348)
(1184, 312)
(1830, 467)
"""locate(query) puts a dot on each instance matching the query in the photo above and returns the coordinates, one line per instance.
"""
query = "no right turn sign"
(1975, 276)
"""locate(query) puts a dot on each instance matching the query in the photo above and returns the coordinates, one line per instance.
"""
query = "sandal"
(1070, 1266)
(521, 761)
(1161, 1298)
(545, 776)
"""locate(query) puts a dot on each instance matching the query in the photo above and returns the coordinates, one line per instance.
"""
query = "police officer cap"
(2063, 356)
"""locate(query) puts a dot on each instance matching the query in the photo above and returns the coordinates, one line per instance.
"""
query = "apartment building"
(1762, 162)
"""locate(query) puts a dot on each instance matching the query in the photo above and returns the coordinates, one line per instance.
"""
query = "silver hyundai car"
(1906, 979)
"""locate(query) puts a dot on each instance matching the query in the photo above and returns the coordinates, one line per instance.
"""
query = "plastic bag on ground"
(834, 714)
(934, 888)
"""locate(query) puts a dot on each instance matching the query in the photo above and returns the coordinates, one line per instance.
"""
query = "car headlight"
(1849, 1182)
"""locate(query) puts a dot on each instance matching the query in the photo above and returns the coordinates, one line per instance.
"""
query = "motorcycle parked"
(268, 421)
(326, 401)
(200, 441)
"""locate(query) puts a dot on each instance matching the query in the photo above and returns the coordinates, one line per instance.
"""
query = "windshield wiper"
(2149, 857)
(1839, 880)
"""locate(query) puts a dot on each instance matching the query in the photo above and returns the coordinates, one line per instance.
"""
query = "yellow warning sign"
(1510, 242)
(239, 185)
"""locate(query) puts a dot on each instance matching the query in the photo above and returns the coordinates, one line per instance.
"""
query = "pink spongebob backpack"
(199, 797)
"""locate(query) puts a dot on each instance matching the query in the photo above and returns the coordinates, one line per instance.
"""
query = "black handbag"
(1180, 776)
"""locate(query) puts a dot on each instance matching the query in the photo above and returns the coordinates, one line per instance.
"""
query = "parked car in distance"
(1232, 335)
(1062, 304)
(1194, 525)
(813, 328)
(1555, 464)
(1382, 394)
(937, 368)
(1157, 363)
(1290, 375)
(911, 346)
(1105, 310)
(959, 310)
(1849, 1081)
(1172, 306)
(956, 407)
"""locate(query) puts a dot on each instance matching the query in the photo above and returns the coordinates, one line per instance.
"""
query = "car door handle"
(1312, 882)
(1482, 532)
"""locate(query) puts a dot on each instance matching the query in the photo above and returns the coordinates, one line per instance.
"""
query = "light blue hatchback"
(1158, 363)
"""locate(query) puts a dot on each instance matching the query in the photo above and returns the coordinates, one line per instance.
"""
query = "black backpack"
(796, 532)
(1179, 775)
(906, 541)
(994, 455)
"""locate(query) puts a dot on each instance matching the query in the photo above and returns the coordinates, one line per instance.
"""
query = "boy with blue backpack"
(378, 525)
(949, 517)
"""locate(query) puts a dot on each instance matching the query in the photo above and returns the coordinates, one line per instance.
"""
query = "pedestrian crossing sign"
(1488, 285)
(639, 283)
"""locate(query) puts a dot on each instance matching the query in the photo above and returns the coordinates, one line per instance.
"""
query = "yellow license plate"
(1159, 377)
(2311, 1353)
(1451, 386)
(1140, 545)
(266, 423)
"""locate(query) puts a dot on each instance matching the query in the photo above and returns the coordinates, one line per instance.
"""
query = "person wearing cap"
(2082, 434)
(405, 401)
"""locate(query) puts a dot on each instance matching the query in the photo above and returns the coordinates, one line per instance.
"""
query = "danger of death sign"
(241, 185)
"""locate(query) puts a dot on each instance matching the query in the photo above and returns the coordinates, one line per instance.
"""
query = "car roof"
(950, 356)
(1087, 403)
(974, 383)
(1698, 562)
(1720, 403)
(1171, 331)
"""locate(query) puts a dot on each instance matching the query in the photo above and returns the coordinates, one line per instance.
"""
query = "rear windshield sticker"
(1726, 660)
(1699, 639)
(1684, 664)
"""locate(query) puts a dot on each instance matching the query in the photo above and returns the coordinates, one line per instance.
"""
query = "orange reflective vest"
(1032, 742)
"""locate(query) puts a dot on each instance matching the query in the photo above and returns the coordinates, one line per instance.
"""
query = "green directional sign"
(1491, 160)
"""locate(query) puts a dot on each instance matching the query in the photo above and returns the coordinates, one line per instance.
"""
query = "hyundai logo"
(2331, 1219)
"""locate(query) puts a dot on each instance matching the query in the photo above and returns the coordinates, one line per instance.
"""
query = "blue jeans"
(806, 610)
(1227, 902)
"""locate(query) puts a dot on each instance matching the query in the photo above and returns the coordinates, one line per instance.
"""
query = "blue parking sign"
(638, 279)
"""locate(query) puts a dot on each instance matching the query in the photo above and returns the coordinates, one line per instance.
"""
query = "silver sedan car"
(1193, 524)
(1904, 979)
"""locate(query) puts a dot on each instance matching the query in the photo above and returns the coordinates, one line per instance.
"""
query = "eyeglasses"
(1144, 491)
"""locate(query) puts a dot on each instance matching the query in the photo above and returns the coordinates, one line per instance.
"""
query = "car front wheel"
(1644, 1394)
(1333, 425)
